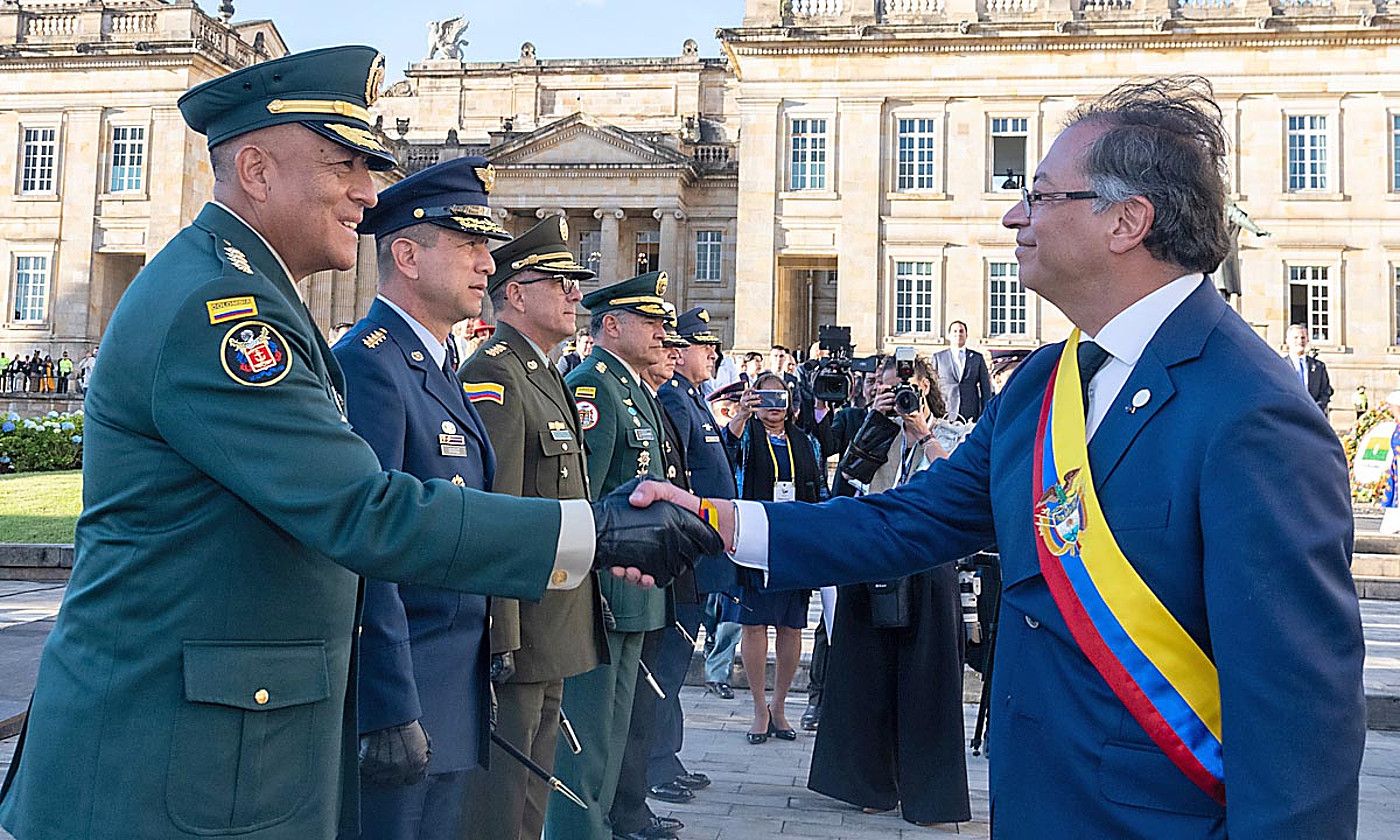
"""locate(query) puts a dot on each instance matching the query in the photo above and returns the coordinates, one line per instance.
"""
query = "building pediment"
(578, 141)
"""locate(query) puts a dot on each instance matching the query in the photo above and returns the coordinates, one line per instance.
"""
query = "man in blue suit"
(423, 654)
(1247, 581)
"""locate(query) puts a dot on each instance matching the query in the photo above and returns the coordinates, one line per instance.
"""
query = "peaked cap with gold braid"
(642, 295)
(544, 247)
(451, 194)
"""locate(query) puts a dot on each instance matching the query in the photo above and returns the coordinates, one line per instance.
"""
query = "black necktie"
(1091, 358)
(449, 364)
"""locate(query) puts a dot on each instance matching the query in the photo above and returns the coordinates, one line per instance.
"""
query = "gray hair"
(1164, 141)
(425, 234)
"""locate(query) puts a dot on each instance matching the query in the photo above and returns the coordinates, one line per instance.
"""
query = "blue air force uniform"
(423, 651)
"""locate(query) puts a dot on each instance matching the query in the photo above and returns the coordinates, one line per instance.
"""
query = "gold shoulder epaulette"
(375, 338)
(495, 351)
(600, 367)
(237, 258)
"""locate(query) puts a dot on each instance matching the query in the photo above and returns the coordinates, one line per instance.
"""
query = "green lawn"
(40, 507)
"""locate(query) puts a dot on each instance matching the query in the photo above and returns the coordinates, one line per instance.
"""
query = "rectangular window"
(1309, 300)
(590, 249)
(915, 155)
(1307, 152)
(1006, 300)
(1008, 154)
(128, 158)
(807, 147)
(31, 288)
(648, 250)
(913, 297)
(708, 246)
(1395, 296)
(1395, 152)
(38, 158)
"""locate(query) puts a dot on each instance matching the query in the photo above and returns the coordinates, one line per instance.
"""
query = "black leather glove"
(869, 449)
(502, 666)
(661, 540)
(396, 756)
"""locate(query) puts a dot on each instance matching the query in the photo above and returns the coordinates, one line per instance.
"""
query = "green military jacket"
(199, 680)
(534, 430)
(624, 433)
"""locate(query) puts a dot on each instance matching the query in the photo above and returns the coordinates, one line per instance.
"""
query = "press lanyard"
(773, 454)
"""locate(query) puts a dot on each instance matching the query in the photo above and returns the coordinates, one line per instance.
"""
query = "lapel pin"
(532, 364)
(417, 356)
(1140, 399)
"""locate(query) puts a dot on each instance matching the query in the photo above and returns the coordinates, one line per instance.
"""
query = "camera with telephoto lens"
(832, 381)
(907, 399)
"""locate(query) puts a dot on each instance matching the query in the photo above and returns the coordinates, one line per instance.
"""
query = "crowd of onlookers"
(40, 373)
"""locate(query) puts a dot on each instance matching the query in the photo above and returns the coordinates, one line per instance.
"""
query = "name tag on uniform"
(453, 450)
(561, 434)
(712, 438)
(644, 434)
(784, 491)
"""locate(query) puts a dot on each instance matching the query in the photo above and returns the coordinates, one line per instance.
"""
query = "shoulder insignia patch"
(479, 392)
(231, 309)
(237, 258)
(587, 414)
(374, 338)
(600, 367)
(585, 392)
(497, 350)
(255, 353)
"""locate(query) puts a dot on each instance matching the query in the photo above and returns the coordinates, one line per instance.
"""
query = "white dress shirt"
(1125, 336)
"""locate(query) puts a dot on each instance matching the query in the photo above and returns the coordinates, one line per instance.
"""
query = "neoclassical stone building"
(881, 141)
(637, 154)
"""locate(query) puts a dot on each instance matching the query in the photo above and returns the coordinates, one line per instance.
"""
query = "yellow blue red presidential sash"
(1152, 664)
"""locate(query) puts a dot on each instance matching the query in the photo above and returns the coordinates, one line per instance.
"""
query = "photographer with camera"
(892, 725)
(774, 461)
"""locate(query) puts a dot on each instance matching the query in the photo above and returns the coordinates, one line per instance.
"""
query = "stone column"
(671, 254)
(81, 153)
(545, 212)
(858, 244)
(755, 272)
(608, 264)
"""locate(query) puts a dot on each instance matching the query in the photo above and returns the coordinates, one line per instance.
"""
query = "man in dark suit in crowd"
(534, 428)
(423, 651)
(962, 375)
(1166, 601)
(1309, 369)
(583, 345)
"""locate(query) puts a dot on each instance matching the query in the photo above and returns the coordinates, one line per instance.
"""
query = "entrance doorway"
(806, 299)
(111, 275)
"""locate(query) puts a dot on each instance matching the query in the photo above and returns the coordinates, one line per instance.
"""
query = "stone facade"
(100, 170)
(918, 106)
(637, 154)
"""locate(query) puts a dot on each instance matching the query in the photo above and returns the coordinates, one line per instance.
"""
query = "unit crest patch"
(587, 414)
(255, 354)
(231, 309)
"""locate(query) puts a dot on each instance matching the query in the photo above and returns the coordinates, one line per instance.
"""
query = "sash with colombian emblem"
(1155, 668)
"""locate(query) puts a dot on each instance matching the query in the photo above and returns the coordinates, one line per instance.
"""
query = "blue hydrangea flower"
(77, 438)
(53, 414)
(66, 426)
(8, 427)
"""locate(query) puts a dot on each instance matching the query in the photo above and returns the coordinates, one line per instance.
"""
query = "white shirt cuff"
(751, 529)
(573, 559)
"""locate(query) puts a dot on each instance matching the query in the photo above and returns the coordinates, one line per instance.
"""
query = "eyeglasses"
(1030, 199)
(567, 283)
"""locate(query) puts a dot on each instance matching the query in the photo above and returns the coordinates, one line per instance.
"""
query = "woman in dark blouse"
(774, 461)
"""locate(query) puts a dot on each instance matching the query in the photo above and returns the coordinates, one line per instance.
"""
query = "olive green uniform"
(534, 429)
(623, 435)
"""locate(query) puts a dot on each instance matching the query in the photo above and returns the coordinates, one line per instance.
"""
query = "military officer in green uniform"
(199, 678)
(533, 425)
(623, 434)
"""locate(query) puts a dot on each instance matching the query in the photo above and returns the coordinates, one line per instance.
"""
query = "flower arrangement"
(53, 441)
(1363, 493)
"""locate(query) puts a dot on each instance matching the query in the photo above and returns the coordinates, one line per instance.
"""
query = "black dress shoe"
(665, 824)
(812, 717)
(694, 781)
(670, 792)
(721, 688)
(784, 734)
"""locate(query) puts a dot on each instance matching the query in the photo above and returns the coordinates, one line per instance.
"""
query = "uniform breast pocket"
(244, 741)
(557, 463)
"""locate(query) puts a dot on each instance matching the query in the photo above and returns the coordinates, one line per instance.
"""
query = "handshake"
(660, 541)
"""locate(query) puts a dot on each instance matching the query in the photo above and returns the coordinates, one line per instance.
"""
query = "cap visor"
(489, 228)
(356, 138)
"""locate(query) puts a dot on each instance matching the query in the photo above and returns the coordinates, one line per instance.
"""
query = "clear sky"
(557, 28)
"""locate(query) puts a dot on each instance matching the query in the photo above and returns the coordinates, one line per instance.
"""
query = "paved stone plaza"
(760, 791)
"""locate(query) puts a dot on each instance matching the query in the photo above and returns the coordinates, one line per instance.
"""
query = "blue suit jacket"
(711, 472)
(422, 650)
(1228, 493)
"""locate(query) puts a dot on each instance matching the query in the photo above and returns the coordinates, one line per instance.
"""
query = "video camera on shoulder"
(832, 381)
(907, 399)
